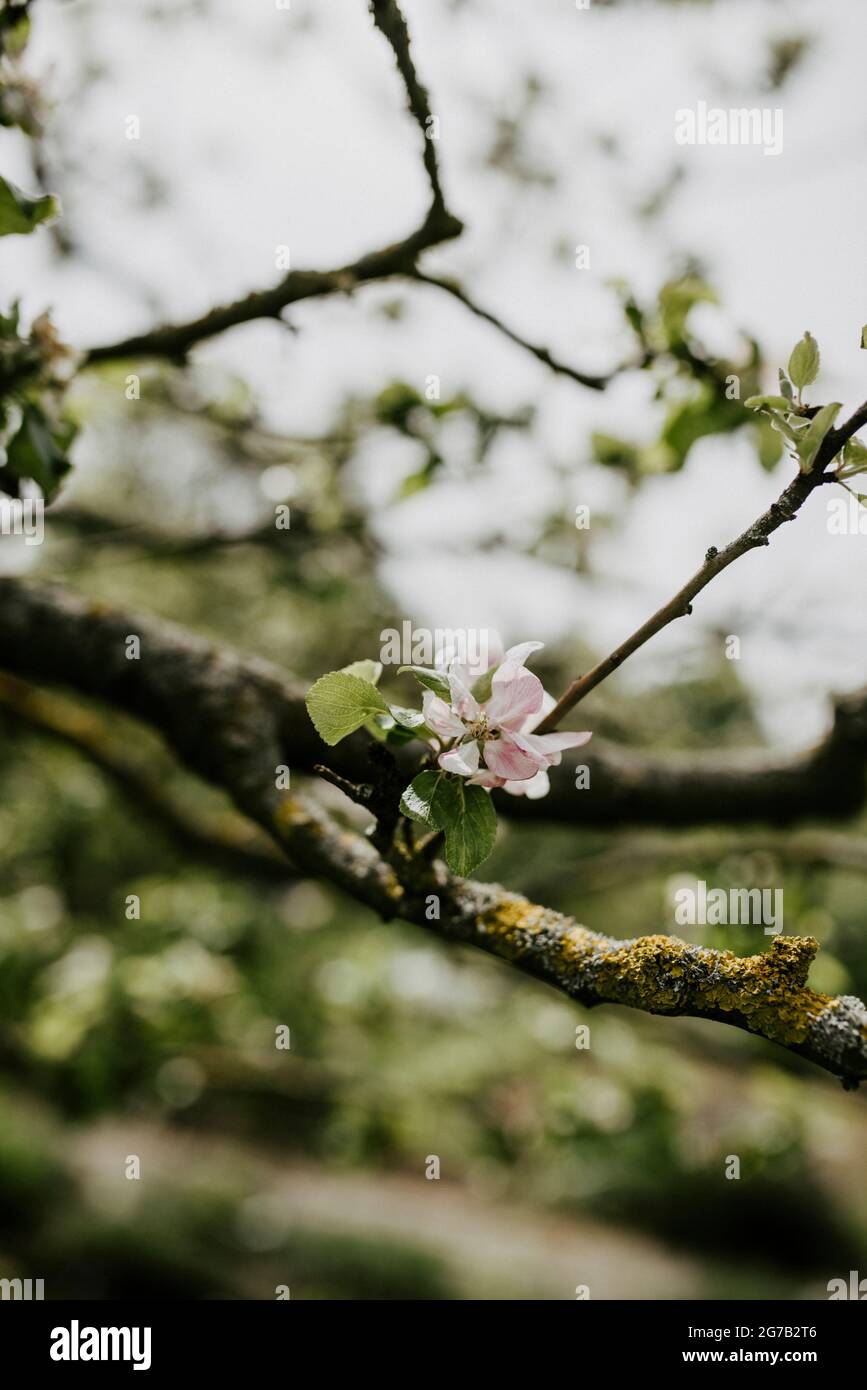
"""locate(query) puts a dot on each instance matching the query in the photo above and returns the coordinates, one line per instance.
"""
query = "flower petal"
(533, 788)
(507, 760)
(551, 746)
(516, 694)
(483, 778)
(439, 717)
(464, 702)
(464, 760)
(519, 654)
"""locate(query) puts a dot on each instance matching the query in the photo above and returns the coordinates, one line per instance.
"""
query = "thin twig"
(784, 509)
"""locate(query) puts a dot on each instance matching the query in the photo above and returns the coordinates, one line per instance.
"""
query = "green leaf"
(768, 442)
(417, 801)
(483, 686)
(786, 386)
(19, 213)
(407, 718)
(854, 459)
(366, 670)
(38, 450)
(864, 336)
(340, 703)
(767, 403)
(470, 823)
(811, 440)
(14, 40)
(431, 679)
(696, 418)
(677, 298)
(614, 452)
(804, 361)
(465, 813)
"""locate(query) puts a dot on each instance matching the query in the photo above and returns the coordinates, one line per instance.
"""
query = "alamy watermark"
(735, 907)
(704, 125)
(25, 1290)
(421, 646)
(23, 516)
(855, 1287)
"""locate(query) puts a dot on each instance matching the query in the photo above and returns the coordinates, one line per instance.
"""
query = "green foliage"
(805, 428)
(38, 450)
(366, 670)
(702, 393)
(430, 678)
(34, 432)
(339, 704)
(804, 362)
(465, 813)
(22, 214)
(810, 440)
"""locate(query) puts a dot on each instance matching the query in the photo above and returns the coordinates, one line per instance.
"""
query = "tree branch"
(594, 382)
(174, 341)
(390, 22)
(49, 634)
(233, 721)
(784, 509)
(220, 838)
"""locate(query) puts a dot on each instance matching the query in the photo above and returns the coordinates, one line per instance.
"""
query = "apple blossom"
(489, 741)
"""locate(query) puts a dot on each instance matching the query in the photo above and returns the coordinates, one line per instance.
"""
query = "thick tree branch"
(220, 838)
(786, 508)
(233, 722)
(49, 634)
(175, 340)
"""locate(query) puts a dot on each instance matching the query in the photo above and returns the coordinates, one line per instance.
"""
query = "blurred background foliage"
(155, 1037)
(306, 1167)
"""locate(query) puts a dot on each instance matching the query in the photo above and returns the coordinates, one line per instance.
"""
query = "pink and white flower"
(490, 741)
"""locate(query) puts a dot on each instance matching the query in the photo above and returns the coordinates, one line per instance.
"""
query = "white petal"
(439, 717)
(520, 653)
(533, 788)
(464, 760)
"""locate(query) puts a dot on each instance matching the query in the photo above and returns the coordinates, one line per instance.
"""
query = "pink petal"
(464, 760)
(515, 695)
(439, 717)
(483, 778)
(507, 760)
(551, 746)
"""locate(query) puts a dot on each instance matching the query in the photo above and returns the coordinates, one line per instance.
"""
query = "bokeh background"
(263, 127)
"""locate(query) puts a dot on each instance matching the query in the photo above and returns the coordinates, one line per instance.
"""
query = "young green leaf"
(340, 703)
(810, 441)
(853, 459)
(38, 450)
(483, 686)
(470, 823)
(785, 386)
(19, 213)
(864, 336)
(367, 670)
(465, 813)
(767, 403)
(804, 361)
(428, 677)
(417, 801)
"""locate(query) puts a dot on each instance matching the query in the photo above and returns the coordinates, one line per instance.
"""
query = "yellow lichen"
(661, 974)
